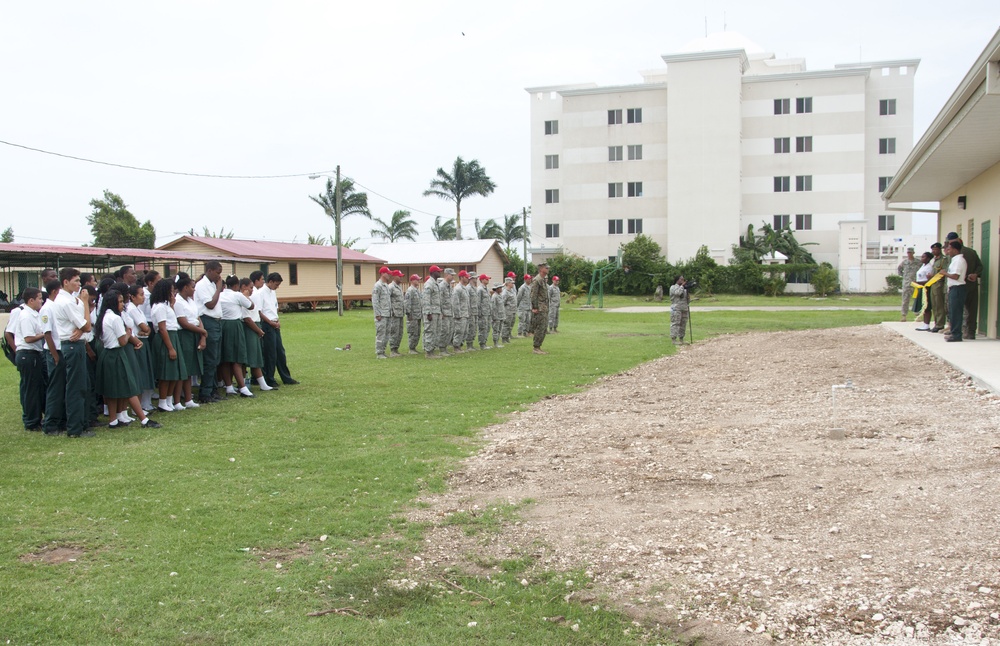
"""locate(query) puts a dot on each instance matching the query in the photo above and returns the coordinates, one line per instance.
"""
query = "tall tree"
(352, 202)
(401, 226)
(112, 225)
(443, 230)
(513, 229)
(7, 235)
(489, 230)
(465, 180)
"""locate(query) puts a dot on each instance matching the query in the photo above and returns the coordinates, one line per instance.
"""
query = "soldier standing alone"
(540, 308)
(679, 309)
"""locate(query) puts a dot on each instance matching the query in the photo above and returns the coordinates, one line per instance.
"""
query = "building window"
(883, 183)
(613, 259)
(551, 162)
(357, 274)
(887, 107)
(803, 144)
(552, 127)
(552, 196)
(804, 105)
(635, 189)
(803, 182)
(635, 226)
(887, 146)
(782, 106)
(615, 189)
(887, 223)
(803, 221)
(635, 152)
(782, 144)
(614, 227)
(781, 222)
(634, 115)
(293, 273)
(614, 153)
(782, 184)
(551, 230)
(614, 117)
(264, 269)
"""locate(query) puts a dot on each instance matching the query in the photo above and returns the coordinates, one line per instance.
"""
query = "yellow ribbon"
(917, 287)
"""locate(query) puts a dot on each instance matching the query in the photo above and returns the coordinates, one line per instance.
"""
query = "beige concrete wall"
(982, 205)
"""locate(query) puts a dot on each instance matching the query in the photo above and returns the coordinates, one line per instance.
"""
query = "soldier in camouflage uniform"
(460, 305)
(497, 315)
(485, 311)
(679, 310)
(382, 307)
(396, 314)
(540, 307)
(413, 307)
(509, 308)
(555, 298)
(524, 306)
(908, 270)
(447, 311)
(431, 301)
(473, 327)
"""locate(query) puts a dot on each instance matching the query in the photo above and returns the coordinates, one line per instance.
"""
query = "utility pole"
(340, 261)
(524, 225)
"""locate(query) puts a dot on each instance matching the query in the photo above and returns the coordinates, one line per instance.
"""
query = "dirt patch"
(704, 491)
(54, 554)
(279, 555)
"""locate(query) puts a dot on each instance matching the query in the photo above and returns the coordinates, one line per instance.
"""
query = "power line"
(157, 170)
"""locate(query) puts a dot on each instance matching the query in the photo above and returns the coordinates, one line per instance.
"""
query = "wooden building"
(474, 256)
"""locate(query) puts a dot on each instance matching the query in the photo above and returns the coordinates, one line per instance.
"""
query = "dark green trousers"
(74, 356)
(55, 394)
(29, 364)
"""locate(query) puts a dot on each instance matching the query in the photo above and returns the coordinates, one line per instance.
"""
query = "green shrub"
(894, 284)
(825, 279)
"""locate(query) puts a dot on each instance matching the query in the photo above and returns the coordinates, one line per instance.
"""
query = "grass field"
(739, 300)
(179, 533)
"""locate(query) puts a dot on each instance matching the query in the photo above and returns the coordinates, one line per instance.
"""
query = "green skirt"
(144, 374)
(255, 348)
(192, 355)
(234, 344)
(168, 369)
(115, 378)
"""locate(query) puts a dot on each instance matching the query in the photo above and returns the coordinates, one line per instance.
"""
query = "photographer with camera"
(680, 297)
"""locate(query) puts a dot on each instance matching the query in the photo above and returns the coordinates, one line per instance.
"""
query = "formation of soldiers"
(458, 312)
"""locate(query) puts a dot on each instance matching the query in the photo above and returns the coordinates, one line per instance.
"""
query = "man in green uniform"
(540, 307)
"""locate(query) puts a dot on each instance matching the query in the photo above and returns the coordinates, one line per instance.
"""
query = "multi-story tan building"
(719, 140)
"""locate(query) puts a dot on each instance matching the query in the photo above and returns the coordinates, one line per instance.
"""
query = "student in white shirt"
(55, 369)
(206, 295)
(169, 361)
(192, 337)
(71, 320)
(274, 349)
(253, 335)
(955, 274)
(234, 349)
(28, 339)
(139, 327)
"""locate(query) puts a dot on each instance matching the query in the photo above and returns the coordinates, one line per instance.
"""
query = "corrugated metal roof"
(439, 252)
(16, 252)
(277, 250)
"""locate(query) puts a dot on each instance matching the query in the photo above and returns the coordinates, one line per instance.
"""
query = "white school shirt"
(204, 292)
(957, 266)
(112, 328)
(186, 308)
(162, 312)
(232, 302)
(12, 321)
(68, 316)
(925, 272)
(28, 324)
(145, 308)
(133, 316)
(47, 323)
(268, 303)
(254, 314)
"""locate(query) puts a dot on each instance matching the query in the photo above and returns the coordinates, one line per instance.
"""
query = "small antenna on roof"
(724, 24)
(706, 26)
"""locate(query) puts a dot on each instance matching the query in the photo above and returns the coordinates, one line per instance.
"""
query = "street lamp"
(336, 220)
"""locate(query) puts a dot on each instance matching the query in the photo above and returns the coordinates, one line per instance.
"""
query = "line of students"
(128, 344)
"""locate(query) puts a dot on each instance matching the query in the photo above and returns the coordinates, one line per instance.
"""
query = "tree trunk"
(458, 220)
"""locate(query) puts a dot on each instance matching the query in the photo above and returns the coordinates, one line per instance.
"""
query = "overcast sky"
(388, 90)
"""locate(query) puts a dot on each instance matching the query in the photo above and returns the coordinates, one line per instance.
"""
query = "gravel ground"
(705, 492)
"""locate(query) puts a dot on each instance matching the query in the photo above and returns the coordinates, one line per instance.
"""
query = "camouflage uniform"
(382, 308)
(431, 301)
(396, 317)
(509, 310)
(414, 310)
(460, 305)
(540, 310)
(485, 314)
(939, 298)
(523, 309)
(447, 314)
(497, 316)
(473, 327)
(908, 270)
(555, 298)
(679, 312)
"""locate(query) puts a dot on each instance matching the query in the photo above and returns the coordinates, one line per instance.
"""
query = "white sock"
(105, 410)
(191, 404)
(263, 384)
(246, 391)
(230, 390)
(123, 417)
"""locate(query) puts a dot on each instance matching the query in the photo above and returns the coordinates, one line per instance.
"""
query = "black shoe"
(60, 431)
(85, 434)
(290, 382)
(272, 384)
(151, 424)
(34, 429)
(951, 339)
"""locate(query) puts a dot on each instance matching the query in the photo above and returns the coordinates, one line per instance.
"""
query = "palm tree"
(443, 230)
(465, 180)
(318, 240)
(401, 226)
(514, 229)
(489, 230)
(351, 202)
